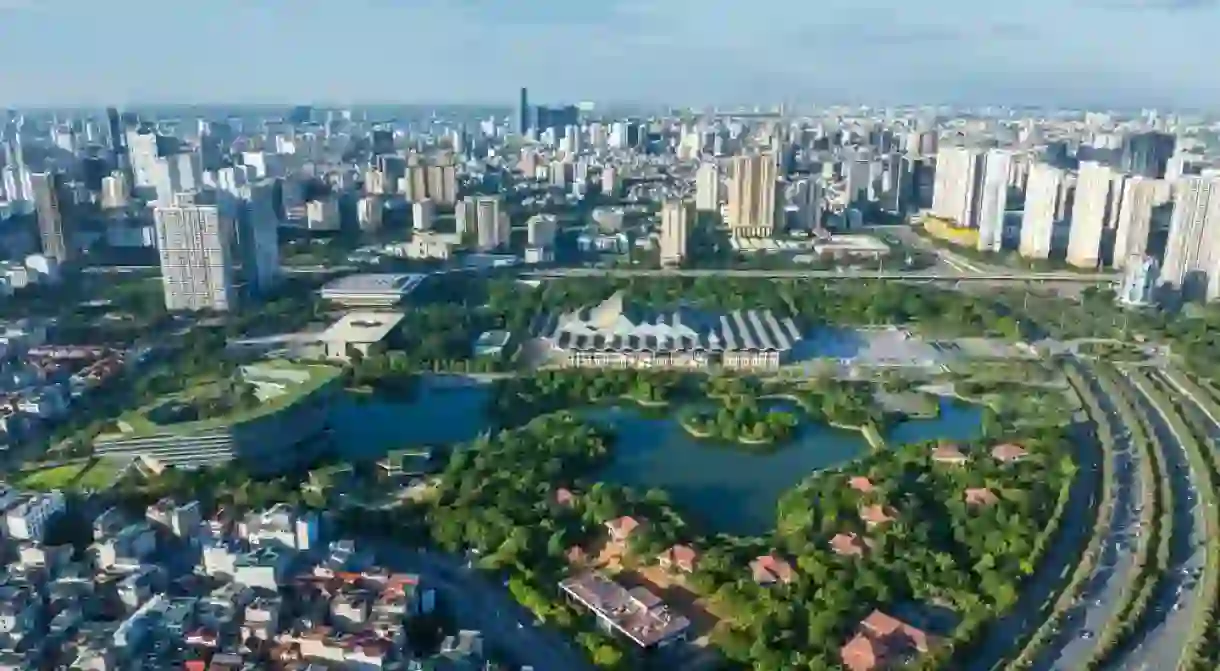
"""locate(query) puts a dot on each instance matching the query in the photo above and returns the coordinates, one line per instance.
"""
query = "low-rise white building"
(29, 519)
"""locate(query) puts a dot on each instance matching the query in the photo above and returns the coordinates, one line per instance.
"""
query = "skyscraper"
(193, 241)
(422, 214)
(957, 174)
(1148, 154)
(707, 188)
(677, 219)
(993, 199)
(752, 201)
(491, 221)
(118, 146)
(523, 112)
(1042, 194)
(1192, 251)
(1139, 281)
(1089, 215)
(1140, 195)
(258, 237)
(48, 190)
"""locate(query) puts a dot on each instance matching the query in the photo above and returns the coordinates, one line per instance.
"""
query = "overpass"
(990, 276)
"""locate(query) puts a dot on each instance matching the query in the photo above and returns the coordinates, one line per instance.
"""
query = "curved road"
(1167, 624)
(1063, 553)
(480, 605)
(1102, 591)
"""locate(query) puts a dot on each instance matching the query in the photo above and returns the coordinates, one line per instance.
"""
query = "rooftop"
(281, 384)
(637, 613)
(399, 284)
(363, 327)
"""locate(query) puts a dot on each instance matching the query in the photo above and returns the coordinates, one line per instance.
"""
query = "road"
(478, 604)
(1060, 558)
(1169, 623)
(913, 275)
(1102, 591)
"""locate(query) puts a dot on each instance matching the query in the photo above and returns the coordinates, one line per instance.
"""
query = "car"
(1086, 634)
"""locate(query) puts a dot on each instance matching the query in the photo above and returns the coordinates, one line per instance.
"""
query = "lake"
(725, 488)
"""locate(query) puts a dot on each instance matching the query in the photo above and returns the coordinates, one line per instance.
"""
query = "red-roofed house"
(1008, 453)
(621, 528)
(564, 497)
(862, 484)
(876, 515)
(947, 453)
(848, 545)
(769, 569)
(862, 653)
(882, 640)
(679, 557)
(980, 497)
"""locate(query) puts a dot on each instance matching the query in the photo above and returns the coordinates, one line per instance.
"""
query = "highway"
(1103, 590)
(1173, 605)
(914, 275)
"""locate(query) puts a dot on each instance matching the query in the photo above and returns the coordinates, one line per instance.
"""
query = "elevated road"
(914, 275)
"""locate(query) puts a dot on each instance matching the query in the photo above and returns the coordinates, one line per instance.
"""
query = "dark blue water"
(726, 487)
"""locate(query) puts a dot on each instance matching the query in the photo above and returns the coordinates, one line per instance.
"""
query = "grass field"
(57, 477)
(92, 474)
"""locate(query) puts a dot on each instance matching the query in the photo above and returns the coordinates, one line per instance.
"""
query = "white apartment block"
(194, 241)
(1089, 215)
(1041, 206)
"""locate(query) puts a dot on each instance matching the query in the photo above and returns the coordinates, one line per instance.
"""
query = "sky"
(679, 52)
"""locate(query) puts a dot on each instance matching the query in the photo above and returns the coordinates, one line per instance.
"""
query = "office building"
(423, 214)
(322, 214)
(49, 191)
(523, 113)
(1148, 154)
(1139, 281)
(369, 213)
(677, 220)
(993, 199)
(1140, 197)
(1089, 215)
(609, 182)
(752, 199)
(142, 152)
(707, 187)
(258, 238)
(114, 190)
(29, 519)
(117, 138)
(1192, 250)
(954, 195)
(491, 225)
(194, 243)
(541, 230)
(442, 184)
(1042, 193)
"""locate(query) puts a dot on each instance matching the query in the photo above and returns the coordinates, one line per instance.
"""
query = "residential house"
(679, 558)
(862, 484)
(848, 545)
(948, 453)
(621, 528)
(1008, 453)
(769, 570)
(980, 497)
(883, 641)
(876, 515)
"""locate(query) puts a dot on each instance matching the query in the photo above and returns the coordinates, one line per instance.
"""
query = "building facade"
(194, 242)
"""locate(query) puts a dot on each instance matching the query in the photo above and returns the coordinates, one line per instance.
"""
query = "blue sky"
(1125, 52)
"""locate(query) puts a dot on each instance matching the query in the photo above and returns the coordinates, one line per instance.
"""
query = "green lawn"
(141, 425)
(58, 477)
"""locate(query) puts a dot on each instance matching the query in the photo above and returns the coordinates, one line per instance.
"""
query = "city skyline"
(945, 51)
